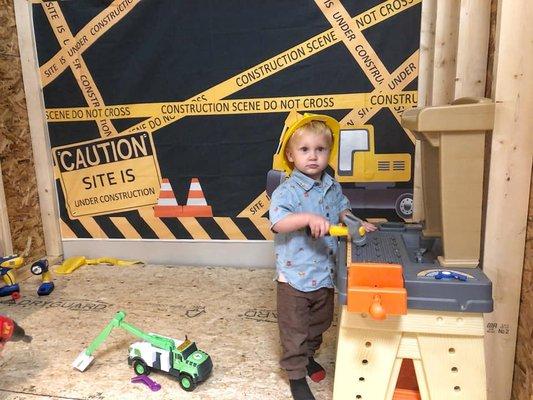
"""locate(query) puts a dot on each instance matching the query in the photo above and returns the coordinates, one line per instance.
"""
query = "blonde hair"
(315, 127)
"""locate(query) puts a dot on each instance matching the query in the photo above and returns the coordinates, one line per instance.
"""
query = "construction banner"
(165, 116)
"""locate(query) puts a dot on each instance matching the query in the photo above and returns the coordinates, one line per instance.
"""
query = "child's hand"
(318, 225)
(369, 227)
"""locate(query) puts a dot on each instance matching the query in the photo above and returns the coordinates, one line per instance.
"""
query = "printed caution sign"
(107, 176)
(107, 102)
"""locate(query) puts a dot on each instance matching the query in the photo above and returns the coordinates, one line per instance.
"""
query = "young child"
(301, 211)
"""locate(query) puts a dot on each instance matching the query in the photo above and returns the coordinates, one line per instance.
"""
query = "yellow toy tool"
(73, 263)
(9, 264)
(354, 230)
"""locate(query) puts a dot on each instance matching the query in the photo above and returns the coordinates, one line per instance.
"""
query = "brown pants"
(302, 318)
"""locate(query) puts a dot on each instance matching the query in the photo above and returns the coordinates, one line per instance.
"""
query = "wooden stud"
(446, 33)
(427, 52)
(508, 187)
(38, 129)
(472, 49)
(425, 86)
(6, 245)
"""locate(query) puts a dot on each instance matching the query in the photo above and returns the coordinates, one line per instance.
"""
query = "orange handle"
(376, 309)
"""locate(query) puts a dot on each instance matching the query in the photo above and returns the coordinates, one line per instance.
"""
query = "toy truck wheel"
(404, 205)
(186, 382)
(140, 367)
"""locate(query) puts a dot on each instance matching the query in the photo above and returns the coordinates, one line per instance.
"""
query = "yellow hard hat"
(299, 120)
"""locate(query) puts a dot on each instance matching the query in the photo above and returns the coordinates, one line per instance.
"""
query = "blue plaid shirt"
(307, 264)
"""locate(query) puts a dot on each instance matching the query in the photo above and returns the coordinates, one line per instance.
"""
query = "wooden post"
(6, 245)
(425, 86)
(472, 48)
(38, 129)
(427, 52)
(446, 34)
(508, 188)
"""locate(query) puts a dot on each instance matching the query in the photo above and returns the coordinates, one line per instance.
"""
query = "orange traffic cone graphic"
(167, 205)
(196, 204)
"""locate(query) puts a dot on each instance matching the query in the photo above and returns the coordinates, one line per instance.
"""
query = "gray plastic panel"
(405, 245)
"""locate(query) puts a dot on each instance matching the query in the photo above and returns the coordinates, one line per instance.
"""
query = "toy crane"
(181, 359)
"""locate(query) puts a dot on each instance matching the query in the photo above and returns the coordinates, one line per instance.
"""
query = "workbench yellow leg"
(454, 367)
(394, 378)
(365, 363)
(421, 380)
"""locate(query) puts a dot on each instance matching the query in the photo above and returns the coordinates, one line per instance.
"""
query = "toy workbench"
(416, 291)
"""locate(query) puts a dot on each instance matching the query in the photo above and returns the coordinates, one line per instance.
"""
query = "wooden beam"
(472, 48)
(446, 34)
(427, 52)
(6, 245)
(38, 129)
(508, 187)
(425, 87)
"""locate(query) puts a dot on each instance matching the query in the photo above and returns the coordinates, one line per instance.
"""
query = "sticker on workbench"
(107, 176)
(444, 274)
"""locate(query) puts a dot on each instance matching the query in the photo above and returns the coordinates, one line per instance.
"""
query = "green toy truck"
(181, 359)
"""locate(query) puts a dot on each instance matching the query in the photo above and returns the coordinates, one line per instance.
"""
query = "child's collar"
(307, 183)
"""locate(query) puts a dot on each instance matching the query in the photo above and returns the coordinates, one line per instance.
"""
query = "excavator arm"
(85, 358)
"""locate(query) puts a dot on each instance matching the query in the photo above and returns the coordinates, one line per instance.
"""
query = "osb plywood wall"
(523, 373)
(16, 157)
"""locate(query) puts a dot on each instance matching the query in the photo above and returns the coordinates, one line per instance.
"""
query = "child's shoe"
(300, 389)
(315, 370)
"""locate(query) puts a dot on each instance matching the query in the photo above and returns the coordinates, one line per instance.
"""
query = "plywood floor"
(229, 312)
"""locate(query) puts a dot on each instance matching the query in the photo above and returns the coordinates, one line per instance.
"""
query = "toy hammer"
(353, 229)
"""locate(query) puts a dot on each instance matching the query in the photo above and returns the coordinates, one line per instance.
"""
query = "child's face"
(310, 153)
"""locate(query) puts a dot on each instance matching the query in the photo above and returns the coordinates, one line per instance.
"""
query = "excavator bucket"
(82, 361)
(85, 357)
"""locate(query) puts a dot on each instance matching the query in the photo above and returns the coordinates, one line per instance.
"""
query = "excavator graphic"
(367, 179)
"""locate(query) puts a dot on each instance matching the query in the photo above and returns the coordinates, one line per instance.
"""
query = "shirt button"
(327, 215)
